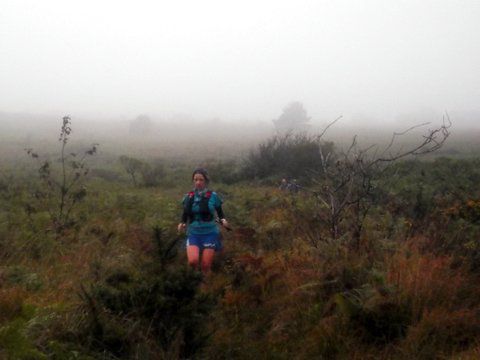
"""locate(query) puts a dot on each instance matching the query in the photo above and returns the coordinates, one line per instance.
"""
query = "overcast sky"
(239, 59)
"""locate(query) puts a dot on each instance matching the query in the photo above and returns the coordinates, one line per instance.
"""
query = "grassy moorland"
(388, 270)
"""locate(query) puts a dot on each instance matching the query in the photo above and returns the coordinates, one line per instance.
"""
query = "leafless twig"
(328, 126)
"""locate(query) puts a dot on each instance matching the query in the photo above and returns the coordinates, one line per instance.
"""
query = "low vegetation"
(393, 274)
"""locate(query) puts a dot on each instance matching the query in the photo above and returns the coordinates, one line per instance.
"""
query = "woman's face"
(199, 181)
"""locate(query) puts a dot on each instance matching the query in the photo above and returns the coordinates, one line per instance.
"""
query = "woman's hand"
(181, 227)
(224, 223)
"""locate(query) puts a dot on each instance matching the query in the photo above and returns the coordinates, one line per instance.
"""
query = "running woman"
(203, 234)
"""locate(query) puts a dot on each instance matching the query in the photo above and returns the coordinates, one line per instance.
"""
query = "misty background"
(226, 69)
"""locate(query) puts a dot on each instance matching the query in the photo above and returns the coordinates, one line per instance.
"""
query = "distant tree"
(141, 125)
(293, 118)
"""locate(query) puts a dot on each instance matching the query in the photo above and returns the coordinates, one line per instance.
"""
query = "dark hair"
(203, 172)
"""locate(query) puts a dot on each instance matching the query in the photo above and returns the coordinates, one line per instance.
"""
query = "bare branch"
(352, 145)
(346, 186)
(328, 126)
(433, 141)
(395, 134)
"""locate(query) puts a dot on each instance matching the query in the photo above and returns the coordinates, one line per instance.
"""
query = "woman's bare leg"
(207, 260)
(193, 255)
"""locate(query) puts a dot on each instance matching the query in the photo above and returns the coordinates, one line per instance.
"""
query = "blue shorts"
(206, 241)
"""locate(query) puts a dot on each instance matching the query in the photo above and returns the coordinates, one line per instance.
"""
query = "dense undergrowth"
(114, 283)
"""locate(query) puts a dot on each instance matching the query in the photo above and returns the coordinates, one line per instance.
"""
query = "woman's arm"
(219, 211)
(183, 221)
(184, 217)
(221, 215)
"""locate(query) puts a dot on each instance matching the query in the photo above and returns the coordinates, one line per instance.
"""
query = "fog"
(235, 61)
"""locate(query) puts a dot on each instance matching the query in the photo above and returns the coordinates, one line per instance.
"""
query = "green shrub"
(443, 332)
(289, 156)
(14, 340)
(18, 275)
(158, 307)
(152, 174)
(105, 174)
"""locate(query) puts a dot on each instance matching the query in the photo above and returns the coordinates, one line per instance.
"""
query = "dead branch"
(328, 126)
(433, 141)
(348, 182)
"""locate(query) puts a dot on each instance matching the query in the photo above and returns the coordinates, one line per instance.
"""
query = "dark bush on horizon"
(226, 172)
(152, 174)
(287, 156)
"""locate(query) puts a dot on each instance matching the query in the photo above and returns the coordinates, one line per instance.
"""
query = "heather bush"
(288, 156)
(157, 308)
(152, 174)
(443, 332)
(223, 171)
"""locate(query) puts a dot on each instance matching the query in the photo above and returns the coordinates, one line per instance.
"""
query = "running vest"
(204, 212)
